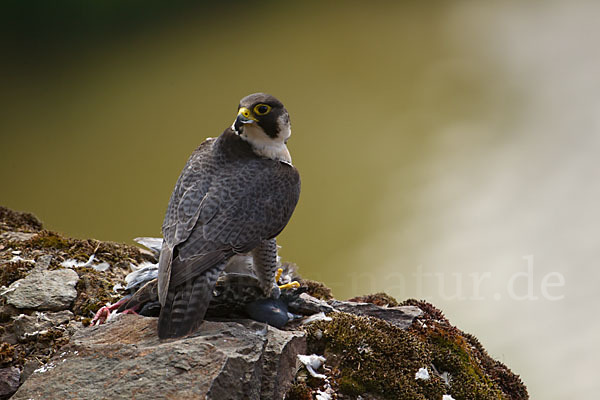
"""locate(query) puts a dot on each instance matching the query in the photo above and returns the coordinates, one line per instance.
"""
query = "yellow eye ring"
(262, 109)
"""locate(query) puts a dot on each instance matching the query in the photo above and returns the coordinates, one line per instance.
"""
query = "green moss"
(373, 356)
(317, 289)
(19, 221)
(370, 356)
(94, 290)
(451, 354)
(110, 252)
(46, 240)
(350, 386)
(379, 299)
(299, 391)
(475, 375)
(7, 353)
(13, 271)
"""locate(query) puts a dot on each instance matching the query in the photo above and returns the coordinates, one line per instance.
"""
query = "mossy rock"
(371, 358)
(379, 299)
(18, 221)
(317, 289)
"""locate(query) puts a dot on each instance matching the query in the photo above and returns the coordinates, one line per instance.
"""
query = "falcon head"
(263, 121)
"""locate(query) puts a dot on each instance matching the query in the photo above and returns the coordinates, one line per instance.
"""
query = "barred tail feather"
(186, 305)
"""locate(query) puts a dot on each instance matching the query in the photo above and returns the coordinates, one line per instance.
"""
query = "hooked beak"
(244, 116)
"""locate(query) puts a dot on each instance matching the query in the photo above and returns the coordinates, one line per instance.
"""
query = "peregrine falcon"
(235, 195)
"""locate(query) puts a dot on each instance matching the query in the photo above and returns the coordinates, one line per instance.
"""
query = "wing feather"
(218, 207)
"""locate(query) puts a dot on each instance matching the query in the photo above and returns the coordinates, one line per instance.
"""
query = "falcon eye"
(262, 109)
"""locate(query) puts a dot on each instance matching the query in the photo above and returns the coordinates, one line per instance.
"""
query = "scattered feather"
(117, 287)
(18, 258)
(422, 373)
(44, 368)
(312, 363)
(70, 263)
(323, 395)
(151, 243)
(316, 317)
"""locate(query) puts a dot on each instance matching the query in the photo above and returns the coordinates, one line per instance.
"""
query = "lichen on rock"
(373, 359)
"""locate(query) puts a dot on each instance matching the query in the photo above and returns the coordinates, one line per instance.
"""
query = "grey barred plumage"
(235, 194)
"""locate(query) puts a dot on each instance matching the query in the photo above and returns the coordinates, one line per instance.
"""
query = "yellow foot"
(278, 275)
(291, 285)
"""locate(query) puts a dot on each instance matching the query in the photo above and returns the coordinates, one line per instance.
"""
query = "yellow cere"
(246, 113)
(262, 109)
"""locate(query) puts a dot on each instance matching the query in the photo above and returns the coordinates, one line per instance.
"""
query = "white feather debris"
(16, 252)
(323, 395)
(45, 368)
(312, 363)
(111, 316)
(151, 243)
(447, 397)
(101, 267)
(422, 373)
(12, 288)
(142, 265)
(71, 263)
(445, 376)
(316, 317)
(35, 334)
(117, 287)
(18, 258)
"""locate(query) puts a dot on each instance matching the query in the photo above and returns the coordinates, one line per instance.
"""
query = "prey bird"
(234, 196)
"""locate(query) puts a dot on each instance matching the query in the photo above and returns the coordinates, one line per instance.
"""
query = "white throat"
(266, 146)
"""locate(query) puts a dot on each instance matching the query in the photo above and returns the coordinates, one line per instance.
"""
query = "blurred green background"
(448, 150)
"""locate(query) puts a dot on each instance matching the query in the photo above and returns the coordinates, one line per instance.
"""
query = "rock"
(28, 368)
(15, 220)
(9, 381)
(125, 359)
(308, 305)
(17, 236)
(401, 316)
(27, 327)
(7, 312)
(44, 290)
(280, 363)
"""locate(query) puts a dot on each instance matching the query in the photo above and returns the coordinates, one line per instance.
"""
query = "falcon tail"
(186, 304)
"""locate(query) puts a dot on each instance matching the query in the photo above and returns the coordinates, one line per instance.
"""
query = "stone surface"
(280, 361)
(308, 305)
(401, 316)
(17, 236)
(44, 290)
(27, 327)
(124, 359)
(9, 381)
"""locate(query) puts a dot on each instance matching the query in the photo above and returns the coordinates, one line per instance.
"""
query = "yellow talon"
(278, 275)
(291, 285)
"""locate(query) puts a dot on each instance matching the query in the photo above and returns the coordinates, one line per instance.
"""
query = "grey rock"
(125, 359)
(16, 236)
(401, 316)
(307, 305)
(7, 312)
(28, 368)
(280, 362)
(9, 381)
(28, 327)
(43, 262)
(44, 290)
